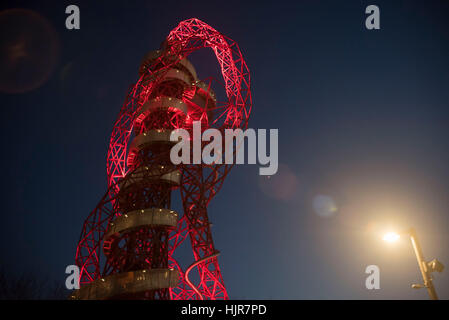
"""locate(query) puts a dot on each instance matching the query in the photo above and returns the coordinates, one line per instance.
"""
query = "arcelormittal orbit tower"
(126, 249)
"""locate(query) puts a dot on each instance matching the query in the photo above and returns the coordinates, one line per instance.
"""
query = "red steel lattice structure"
(133, 228)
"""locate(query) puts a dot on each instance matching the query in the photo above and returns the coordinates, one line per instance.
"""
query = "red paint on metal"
(199, 183)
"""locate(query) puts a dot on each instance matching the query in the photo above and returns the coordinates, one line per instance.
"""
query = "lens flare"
(324, 206)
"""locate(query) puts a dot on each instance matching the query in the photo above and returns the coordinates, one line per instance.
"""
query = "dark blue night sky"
(363, 119)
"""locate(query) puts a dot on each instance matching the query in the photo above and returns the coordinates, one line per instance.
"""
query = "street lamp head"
(435, 265)
(391, 237)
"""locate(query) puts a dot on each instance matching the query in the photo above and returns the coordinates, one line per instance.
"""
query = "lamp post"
(423, 266)
(426, 268)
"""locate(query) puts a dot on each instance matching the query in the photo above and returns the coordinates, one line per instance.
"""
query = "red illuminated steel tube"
(133, 228)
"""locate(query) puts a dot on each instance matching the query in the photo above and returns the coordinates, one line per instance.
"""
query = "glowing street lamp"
(426, 268)
(391, 237)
